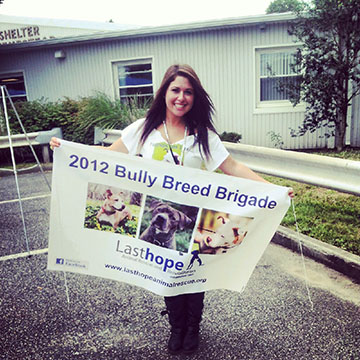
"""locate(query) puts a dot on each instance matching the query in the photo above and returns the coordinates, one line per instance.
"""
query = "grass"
(323, 214)
(348, 153)
(327, 215)
(18, 166)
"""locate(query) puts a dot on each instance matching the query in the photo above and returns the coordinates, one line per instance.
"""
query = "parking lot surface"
(272, 319)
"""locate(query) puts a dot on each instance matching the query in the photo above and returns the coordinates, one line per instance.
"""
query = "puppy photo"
(168, 224)
(217, 233)
(112, 209)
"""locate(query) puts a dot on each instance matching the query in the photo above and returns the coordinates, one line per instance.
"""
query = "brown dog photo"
(112, 209)
(168, 224)
(218, 233)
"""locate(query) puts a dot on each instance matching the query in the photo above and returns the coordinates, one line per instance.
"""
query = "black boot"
(175, 306)
(194, 307)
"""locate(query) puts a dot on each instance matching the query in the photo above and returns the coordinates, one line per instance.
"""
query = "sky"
(135, 12)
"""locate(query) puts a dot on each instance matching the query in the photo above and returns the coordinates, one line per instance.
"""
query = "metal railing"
(35, 138)
(332, 173)
(105, 136)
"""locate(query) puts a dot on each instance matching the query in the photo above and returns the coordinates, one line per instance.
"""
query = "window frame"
(128, 62)
(272, 105)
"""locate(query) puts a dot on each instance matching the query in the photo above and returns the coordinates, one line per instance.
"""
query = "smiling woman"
(179, 129)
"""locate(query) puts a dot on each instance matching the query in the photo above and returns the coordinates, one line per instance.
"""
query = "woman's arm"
(230, 166)
(118, 145)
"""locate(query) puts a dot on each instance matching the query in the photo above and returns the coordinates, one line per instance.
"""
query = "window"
(15, 85)
(274, 69)
(133, 79)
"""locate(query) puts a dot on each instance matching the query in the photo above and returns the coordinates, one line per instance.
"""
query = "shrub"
(77, 118)
(103, 112)
(35, 116)
(231, 137)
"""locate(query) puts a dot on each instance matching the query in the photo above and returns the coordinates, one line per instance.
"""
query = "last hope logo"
(150, 257)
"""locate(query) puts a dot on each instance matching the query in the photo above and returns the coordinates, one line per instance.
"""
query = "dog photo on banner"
(218, 232)
(168, 224)
(112, 209)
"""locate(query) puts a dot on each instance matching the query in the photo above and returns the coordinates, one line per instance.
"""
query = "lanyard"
(182, 150)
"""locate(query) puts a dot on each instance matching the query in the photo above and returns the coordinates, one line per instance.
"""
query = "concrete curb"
(45, 167)
(329, 255)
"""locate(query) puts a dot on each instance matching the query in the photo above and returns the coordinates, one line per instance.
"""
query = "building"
(238, 61)
(18, 29)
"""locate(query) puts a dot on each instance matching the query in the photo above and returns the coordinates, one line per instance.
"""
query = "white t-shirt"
(156, 147)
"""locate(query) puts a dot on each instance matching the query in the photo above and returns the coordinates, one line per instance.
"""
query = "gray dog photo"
(168, 224)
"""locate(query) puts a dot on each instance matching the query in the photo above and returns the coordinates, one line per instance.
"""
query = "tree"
(328, 64)
(281, 6)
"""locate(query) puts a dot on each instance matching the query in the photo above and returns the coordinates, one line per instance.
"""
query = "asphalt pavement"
(274, 318)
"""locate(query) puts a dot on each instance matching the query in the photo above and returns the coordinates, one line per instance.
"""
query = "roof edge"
(152, 31)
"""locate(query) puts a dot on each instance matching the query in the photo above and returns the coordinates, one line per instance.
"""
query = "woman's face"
(179, 97)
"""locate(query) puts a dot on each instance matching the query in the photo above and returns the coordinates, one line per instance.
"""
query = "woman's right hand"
(54, 142)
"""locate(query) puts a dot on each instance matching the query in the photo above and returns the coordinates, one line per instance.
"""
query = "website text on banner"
(163, 227)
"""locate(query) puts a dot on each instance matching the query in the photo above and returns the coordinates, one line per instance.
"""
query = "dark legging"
(185, 310)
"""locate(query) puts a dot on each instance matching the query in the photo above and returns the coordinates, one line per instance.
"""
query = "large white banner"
(166, 228)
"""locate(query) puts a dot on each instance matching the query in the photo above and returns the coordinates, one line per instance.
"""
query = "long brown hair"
(198, 120)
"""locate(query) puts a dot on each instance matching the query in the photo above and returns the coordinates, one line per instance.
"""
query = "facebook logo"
(60, 261)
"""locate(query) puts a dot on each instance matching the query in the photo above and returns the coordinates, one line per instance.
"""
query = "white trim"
(155, 84)
(137, 58)
(114, 81)
(279, 45)
(11, 72)
(136, 86)
(285, 107)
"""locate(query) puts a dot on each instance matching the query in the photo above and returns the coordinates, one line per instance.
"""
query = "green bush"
(35, 116)
(230, 137)
(105, 113)
(77, 118)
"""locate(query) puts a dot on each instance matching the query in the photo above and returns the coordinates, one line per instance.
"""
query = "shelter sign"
(165, 228)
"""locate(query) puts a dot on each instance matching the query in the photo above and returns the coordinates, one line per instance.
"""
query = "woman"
(178, 128)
